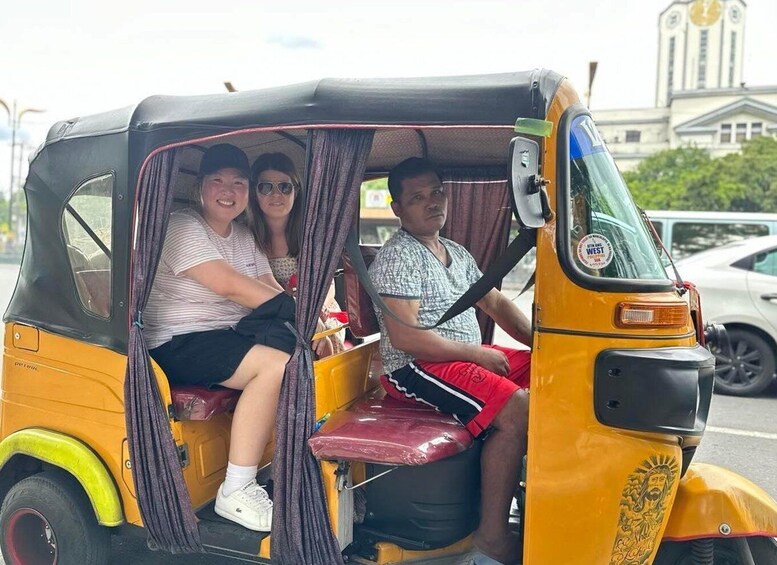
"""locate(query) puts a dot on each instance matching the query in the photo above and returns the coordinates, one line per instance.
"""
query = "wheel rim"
(30, 539)
(740, 366)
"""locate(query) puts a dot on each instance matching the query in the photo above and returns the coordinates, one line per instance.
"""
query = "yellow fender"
(714, 502)
(75, 457)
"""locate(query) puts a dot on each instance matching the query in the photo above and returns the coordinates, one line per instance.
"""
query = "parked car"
(738, 286)
(686, 233)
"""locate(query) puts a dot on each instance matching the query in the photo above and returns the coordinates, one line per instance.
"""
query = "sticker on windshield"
(594, 251)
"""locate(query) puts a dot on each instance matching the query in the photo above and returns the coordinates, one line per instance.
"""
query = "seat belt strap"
(528, 285)
(510, 257)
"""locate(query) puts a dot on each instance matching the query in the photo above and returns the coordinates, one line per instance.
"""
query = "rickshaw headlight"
(651, 315)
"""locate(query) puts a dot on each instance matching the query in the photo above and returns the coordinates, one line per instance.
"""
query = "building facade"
(700, 97)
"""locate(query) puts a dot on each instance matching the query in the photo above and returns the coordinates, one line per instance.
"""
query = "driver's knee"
(514, 415)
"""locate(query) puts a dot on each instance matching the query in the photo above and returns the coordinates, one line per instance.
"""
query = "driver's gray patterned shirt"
(405, 268)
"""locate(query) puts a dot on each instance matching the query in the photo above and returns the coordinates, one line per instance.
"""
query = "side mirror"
(528, 195)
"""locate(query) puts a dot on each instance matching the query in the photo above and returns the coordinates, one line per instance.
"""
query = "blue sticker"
(584, 138)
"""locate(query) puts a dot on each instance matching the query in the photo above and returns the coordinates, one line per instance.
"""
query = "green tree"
(755, 173)
(689, 179)
(661, 181)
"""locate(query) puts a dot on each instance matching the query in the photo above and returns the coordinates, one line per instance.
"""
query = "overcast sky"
(77, 57)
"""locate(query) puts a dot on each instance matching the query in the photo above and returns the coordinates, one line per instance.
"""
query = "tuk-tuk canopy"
(116, 144)
(496, 99)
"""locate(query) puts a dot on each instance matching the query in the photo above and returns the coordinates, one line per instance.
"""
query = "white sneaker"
(249, 506)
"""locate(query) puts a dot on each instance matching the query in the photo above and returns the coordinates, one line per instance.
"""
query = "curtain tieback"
(294, 332)
(138, 322)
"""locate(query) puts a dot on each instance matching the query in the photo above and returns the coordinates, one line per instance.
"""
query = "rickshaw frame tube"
(75, 457)
(715, 502)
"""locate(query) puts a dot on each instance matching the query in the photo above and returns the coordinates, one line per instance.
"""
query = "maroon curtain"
(301, 531)
(164, 502)
(479, 219)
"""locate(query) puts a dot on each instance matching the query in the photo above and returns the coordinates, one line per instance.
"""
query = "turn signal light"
(651, 315)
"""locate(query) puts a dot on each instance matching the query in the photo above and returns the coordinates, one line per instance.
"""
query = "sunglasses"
(265, 188)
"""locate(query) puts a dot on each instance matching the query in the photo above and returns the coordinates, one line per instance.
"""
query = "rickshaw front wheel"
(760, 550)
(46, 519)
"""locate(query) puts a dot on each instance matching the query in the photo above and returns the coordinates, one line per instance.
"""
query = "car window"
(691, 237)
(766, 263)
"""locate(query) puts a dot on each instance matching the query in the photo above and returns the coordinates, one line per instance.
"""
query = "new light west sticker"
(594, 251)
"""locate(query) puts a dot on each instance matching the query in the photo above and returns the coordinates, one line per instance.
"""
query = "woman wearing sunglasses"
(276, 222)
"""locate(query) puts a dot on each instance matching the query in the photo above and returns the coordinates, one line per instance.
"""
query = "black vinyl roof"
(118, 142)
(496, 99)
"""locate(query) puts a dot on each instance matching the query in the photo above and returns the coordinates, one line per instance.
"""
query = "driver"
(420, 275)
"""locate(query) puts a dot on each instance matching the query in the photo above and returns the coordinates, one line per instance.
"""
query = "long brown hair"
(256, 221)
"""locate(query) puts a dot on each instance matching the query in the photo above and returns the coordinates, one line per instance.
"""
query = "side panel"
(73, 388)
(715, 502)
(596, 494)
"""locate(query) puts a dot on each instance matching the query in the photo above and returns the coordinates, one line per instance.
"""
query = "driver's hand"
(493, 360)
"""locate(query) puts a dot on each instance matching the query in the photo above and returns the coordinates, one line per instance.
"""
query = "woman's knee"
(261, 362)
(264, 360)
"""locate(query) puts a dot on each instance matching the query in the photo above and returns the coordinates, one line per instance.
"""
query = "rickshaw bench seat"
(388, 432)
(191, 402)
(379, 429)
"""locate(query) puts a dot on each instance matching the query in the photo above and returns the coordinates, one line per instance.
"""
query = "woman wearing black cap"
(215, 317)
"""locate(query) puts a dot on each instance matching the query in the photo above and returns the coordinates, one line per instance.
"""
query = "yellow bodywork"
(63, 403)
(74, 390)
(72, 456)
(388, 553)
(714, 502)
(581, 474)
(585, 481)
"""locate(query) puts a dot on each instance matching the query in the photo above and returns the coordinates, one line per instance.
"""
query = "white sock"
(237, 477)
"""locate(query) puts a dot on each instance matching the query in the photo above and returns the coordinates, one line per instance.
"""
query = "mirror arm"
(536, 182)
(547, 213)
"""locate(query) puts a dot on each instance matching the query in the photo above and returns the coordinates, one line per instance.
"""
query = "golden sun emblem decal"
(643, 505)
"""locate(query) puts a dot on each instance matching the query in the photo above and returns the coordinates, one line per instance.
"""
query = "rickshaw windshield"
(608, 237)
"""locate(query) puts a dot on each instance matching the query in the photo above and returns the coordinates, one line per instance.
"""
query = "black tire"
(47, 519)
(763, 550)
(747, 367)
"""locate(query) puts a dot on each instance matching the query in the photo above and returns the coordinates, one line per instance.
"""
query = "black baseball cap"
(224, 156)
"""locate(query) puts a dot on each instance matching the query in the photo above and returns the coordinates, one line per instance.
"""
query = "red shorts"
(469, 392)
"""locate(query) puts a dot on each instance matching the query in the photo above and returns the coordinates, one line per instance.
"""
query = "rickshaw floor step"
(223, 536)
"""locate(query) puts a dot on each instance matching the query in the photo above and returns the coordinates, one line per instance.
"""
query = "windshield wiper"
(678, 283)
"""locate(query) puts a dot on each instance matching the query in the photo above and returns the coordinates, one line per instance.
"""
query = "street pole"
(14, 120)
(14, 124)
(591, 74)
(19, 178)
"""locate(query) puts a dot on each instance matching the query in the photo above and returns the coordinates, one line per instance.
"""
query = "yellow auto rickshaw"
(95, 441)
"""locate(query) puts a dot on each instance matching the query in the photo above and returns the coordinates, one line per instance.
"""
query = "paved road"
(742, 436)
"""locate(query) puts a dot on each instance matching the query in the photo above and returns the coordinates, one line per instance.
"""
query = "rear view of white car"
(738, 286)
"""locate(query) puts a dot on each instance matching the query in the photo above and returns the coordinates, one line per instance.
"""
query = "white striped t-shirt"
(180, 305)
